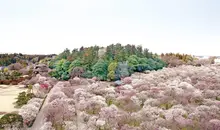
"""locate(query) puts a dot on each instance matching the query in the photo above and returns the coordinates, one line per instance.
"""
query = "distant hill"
(7, 59)
(206, 57)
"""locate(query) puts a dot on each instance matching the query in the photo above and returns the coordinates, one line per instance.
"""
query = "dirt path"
(39, 121)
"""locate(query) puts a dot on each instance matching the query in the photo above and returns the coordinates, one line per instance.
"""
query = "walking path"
(39, 121)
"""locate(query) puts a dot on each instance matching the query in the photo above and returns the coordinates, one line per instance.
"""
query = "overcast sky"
(50, 26)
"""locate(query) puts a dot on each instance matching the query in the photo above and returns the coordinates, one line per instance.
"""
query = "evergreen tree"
(100, 69)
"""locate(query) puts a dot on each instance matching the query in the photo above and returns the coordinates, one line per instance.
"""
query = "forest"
(111, 63)
(7, 59)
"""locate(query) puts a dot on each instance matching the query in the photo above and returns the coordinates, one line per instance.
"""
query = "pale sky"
(50, 26)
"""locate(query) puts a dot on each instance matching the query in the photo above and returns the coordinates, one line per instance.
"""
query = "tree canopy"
(110, 63)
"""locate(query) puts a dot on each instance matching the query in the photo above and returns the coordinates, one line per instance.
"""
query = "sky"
(50, 26)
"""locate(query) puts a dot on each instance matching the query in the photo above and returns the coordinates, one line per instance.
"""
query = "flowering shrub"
(11, 120)
(15, 66)
(58, 111)
(94, 105)
(44, 86)
(75, 81)
(39, 91)
(40, 80)
(54, 111)
(30, 111)
(127, 80)
(180, 98)
(70, 125)
(47, 126)
(214, 124)
(57, 95)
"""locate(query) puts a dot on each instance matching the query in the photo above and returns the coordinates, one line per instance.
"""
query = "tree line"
(7, 59)
(111, 63)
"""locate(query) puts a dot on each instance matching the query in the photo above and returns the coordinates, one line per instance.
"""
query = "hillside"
(114, 88)
(111, 63)
(7, 59)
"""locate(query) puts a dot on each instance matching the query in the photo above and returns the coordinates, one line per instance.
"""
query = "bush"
(111, 75)
(100, 70)
(87, 74)
(61, 70)
(26, 71)
(56, 111)
(77, 72)
(75, 63)
(141, 64)
(122, 70)
(23, 98)
(111, 70)
(65, 76)
(11, 119)
(30, 111)
(16, 74)
(127, 80)
(5, 70)
(15, 66)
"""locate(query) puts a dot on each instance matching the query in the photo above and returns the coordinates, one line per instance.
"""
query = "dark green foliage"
(64, 55)
(109, 53)
(65, 76)
(117, 61)
(133, 61)
(160, 63)
(65, 65)
(61, 69)
(23, 98)
(141, 64)
(75, 63)
(52, 64)
(100, 70)
(121, 55)
(11, 119)
(139, 52)
(147, 54)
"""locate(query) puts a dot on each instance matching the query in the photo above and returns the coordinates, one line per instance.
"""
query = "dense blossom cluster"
(41, 85)
(41, 80)
(30, 111)
(185, 97)
(40, 89)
